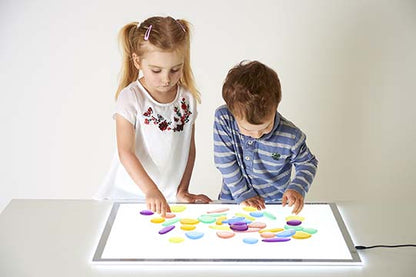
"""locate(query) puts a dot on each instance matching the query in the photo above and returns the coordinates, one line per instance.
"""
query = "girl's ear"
(136, 61)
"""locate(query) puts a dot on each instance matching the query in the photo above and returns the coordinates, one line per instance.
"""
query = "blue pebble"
(250, 240)
(194, 235)
(256, 214)
(286, 233)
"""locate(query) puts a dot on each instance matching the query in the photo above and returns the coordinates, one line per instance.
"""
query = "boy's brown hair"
(251, 91)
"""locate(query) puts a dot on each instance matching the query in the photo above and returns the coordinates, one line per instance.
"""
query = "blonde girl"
(155, 114)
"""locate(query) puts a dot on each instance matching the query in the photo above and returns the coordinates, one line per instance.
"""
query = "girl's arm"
(183, 193)
(126, 150)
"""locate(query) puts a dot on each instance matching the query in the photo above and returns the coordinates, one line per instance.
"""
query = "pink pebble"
(170, 215)
(267, 235)
(260, 225)
(225, 234)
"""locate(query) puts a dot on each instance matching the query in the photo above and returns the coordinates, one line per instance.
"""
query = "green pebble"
(170, 222)
(269, 215)
(207, 219)
(297, 228)
(310, 230)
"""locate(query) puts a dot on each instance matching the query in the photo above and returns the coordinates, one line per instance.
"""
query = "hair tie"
(180, 24)
(147, 34)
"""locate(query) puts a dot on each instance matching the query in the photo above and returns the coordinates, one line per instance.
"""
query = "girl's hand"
(256, 202)
(157, 203)
(293, 198)
(193, 198)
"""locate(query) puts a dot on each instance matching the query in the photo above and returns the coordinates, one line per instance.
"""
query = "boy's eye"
(156, 71)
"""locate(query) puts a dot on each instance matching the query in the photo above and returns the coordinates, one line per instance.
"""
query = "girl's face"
(161, 72)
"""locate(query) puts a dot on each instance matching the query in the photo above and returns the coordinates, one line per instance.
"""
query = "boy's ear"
(136, 61)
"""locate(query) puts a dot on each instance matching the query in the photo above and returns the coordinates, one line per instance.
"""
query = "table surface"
(59, 237)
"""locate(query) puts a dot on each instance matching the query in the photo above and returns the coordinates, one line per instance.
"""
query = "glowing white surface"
(134, 238)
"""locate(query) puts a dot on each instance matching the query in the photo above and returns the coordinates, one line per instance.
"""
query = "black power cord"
(361, 247)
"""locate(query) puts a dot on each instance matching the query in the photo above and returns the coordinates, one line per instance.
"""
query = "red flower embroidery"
(181, 118)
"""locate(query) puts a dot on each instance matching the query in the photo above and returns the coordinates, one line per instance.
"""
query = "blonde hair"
(166, 34)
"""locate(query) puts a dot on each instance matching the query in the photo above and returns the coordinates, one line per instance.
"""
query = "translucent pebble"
(220, 220)
(194, 235)
(294, 222)
(250, 240)
(267, 235)
(176, 239)
(286, 233)
(188, 227)
(170, 222)
(189, 221)
(269, 215)
(239, 227)
(245, 216)
(177, 208)
(276, 239)
(310, 230)
(273, 230)
(225, 234)
(234, 220)
(260, 225)
(207, 219)
(296, 217)
(297, 228)
(249, 209)
(220, 227)
(301, 235)
(146, 212)
(166, 229)
(256, 214)
(157, 220)
(220, 210)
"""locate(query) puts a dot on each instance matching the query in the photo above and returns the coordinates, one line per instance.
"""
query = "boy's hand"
(292, 197)
(256, 202)
(193, 198)
(157, 203)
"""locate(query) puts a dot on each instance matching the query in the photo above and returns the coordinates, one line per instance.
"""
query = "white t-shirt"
(162, 141)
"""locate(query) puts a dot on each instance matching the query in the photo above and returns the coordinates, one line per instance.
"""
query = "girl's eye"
(156, 71)
(175, 70)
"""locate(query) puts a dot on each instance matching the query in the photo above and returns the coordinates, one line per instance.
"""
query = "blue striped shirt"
(263, 166)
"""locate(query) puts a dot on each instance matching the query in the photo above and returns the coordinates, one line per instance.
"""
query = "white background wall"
(347, 70)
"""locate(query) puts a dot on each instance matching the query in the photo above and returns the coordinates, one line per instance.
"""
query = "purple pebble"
(239, 227)
(294, 222)
(166, 229)
(276, 239)
(146, 212)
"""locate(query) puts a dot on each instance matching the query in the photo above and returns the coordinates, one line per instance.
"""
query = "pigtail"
(187, 79)
(128, 71)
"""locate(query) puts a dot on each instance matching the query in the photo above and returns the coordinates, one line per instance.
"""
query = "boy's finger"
(284, 200)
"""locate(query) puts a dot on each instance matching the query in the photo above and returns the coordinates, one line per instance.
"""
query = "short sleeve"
(126, 105)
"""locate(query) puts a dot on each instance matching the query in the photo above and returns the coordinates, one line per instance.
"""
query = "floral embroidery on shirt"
(182, 116)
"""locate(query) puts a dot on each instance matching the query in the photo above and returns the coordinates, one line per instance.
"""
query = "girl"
(155, 115)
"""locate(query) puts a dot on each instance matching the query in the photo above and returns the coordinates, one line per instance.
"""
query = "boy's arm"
(305, 165)
(226, 161)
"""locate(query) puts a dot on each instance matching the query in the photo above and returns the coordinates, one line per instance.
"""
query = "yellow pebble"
(188, 227)
(177, 208)
(249, 209)
(189, 221)
(220, 220)
(295, 217)
(176, 239)
(157, 220)
(220, 227)
(301, 235)
(273, 230)
(249, 217)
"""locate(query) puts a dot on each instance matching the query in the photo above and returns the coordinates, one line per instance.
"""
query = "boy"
(255, 147)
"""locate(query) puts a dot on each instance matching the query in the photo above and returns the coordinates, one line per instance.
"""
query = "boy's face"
(256, 130)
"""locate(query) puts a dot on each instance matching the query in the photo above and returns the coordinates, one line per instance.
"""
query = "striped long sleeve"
(251, 167)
